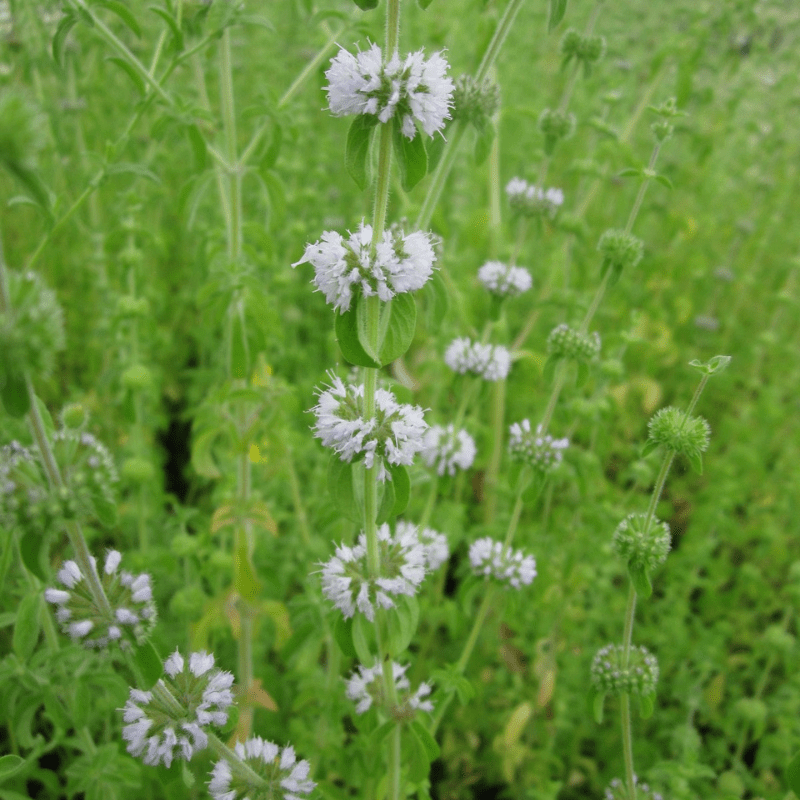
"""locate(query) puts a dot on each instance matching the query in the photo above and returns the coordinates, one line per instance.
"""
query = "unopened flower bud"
(620, 250)
(611, 676)
(475, 103)
(555, 125)
(688, 436)
(640, 548)
(565, 342)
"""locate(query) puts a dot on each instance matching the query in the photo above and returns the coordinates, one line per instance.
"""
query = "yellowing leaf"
(254, 455)
(516, 723)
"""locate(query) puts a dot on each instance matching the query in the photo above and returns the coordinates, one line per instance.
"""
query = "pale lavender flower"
(169, 720)
(285, 777)
(504, 280)
(488, 557)
(532, 200)
(402, 566)
(433, 543)
(131, 613)
(365, 687)
(413, 89)
(491, 362)
(400, 263)
(537, 449)
(448, 449)
(395, 433)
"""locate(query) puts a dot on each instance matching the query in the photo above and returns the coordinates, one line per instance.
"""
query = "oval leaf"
(149, 663)
(356, 154)
(26, 627)
(346, 328)
(15, 396)
(641, 581)
(412, 159)
(399, 325)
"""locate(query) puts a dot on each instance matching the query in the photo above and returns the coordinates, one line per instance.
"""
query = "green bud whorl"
(587, 50)
(555, 125)
(642, 547)
(611, 676)
(566, 342)
(688, 436)
(619, 250)
(475, 103)
(31, 330)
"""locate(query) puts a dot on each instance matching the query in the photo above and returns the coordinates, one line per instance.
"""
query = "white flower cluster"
(345, 577)
(504, 280)
(173, 714)
(491, 361)
(540, 450)
(533, 200)
(413, 90)
(489, 557)
(365, 687)
(434, 544)
(448, 449)
(400, 263)
(286, 778)
(130, 598)
(395, 433)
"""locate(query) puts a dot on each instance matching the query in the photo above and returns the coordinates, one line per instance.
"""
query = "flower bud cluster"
(170, 720)
(412, 90)
(31, 329)
(395, 433)
(640, 548)
(688, 436)
(537, 449)
(611, 677)
(398, 263)
(616, 790)
(402, 561)
(365, 688)
(283, 777)
(504, 280)
(490, 558)
(475, 103)
(448, 449)
(586, 50)
(662, 130)
(25, 502)
(620, 250)
(555, 125)
(565, 342)
(491, 362)
(131, 615)
(533, 201)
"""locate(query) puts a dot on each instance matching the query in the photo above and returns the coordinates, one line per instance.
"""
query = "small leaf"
(428, 742)
(239, 357)
(423, 4)
(696, 460)
(403, 624)
(483, 143)
(177, 34)
(402, 487)
(346, 328)
(343, 634)
(646, 705)
(31, 544)
(641, 581)
(123, 12)
(341, 487)
(412, 160)
(44, 413)
(386, 502)
(14, 393)
(130, 168)
(557, 10)
(792, 774)
(629, 172)
(583, 373)
(9, 765)
(419, 765)
(245, 581)
(104, 509)
(27, 626)
(356, 154)
(149, 663)
(59, 38)
(664, 181)
(649, 447)
(549, 370)
(360, 643)
(399, 319)
(596, 702)
(366, 5)
(137, 79)
(198, 145)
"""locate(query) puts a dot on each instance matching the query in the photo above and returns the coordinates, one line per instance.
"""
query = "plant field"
(399, 398)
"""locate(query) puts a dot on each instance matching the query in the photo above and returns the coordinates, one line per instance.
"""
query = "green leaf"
(239, 353)
(641, 581)
(177, 33)
(382, 731)
(59, 38)
(451, 680)
(423, 4)
(343, 634)
(402, 487)
(9, 765)
(403, 624)
(483, 143)
(44, 413)
(346, 328)
(130, 168)
(397, 325)
(649, 447)
(549, 371)
(428, 742)
(366, 5)
(198, 145)
(105, 510)
(596, 702)
(412, 160)
(646, 705)
(629, 172)
(361, 628)
(245, 580)
(557, 10)
(792, 774)
(356, 154)
(419, 765)
(26, 628)
(436, 300)
(664, 181)
(137, 79)
(150, 666)
(716, 364)
(31, 544)
(696, 460)
(386, 502)
(15, 396)
(341, 486)
(123, 12)
(583, 373)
